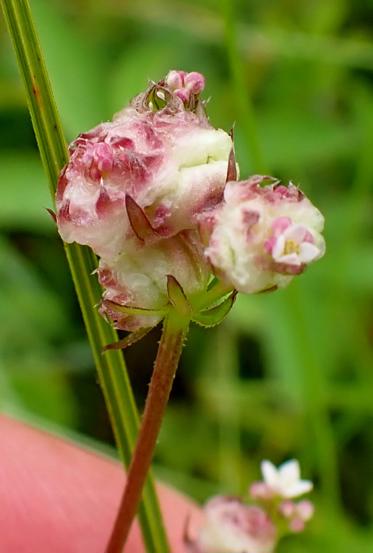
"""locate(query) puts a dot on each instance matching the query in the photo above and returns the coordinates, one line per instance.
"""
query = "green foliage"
(24, 193)
(287, 374)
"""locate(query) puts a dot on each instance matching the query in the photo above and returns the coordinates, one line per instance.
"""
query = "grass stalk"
(111, 369)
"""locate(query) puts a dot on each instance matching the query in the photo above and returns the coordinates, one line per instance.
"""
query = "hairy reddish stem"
(169, 351)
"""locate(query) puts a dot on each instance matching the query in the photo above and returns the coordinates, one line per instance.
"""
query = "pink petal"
(278, 248)
(280, 224)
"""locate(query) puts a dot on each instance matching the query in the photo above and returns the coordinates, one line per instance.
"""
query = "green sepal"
(177, 297)
(128, 340)
(214, 316)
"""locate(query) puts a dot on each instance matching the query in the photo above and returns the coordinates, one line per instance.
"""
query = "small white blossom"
(285, 480)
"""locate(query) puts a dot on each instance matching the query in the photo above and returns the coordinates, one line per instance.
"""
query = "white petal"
(289, 259)
(278, 248)
(299, 488)
(270, 474)
(289, 472)
(199, 145)
(308, 252)
(296, 233)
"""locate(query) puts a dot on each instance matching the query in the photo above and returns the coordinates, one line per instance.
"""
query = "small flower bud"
(260, 237)
(260, 491)
(296, 525)
(191, 83)
(195, 82)
(287, 508)
(297, 513)
(305, 510)
(183, 94)
(175, 79)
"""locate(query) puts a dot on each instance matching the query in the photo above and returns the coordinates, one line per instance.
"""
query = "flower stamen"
(291, 246)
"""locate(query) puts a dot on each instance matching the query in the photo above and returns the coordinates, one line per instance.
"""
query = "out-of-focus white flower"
(285, 481)
(262, 235)
(138, 278)
(233, 527)
(167, 157)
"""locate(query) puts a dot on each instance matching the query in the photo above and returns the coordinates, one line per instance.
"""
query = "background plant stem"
(245, 110)
(111, 368)
(169, 351)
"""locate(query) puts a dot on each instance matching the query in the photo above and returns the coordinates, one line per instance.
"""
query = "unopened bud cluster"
(152, 193)
(231, 525)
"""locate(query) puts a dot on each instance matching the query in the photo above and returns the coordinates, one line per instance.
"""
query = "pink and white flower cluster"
(233, 526)
(171, 161)
(262, 234)
(162, 153)
(148, 192)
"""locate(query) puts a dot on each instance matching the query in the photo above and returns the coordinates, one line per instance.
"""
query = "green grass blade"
(110, 366)
(245, 110)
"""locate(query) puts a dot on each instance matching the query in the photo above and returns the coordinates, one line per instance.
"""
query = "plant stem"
(169, 351)
(111, 369)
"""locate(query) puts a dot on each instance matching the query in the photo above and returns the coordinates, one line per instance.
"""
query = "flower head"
(161, 151)
(285, 481)
(233, 527)
(262, 235)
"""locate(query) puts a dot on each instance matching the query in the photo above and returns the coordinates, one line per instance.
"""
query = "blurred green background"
(288, 374)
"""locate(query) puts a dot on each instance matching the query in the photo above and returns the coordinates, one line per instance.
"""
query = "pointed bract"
(177, 296)
(139, 222)
(129, 340)
(232, 172)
